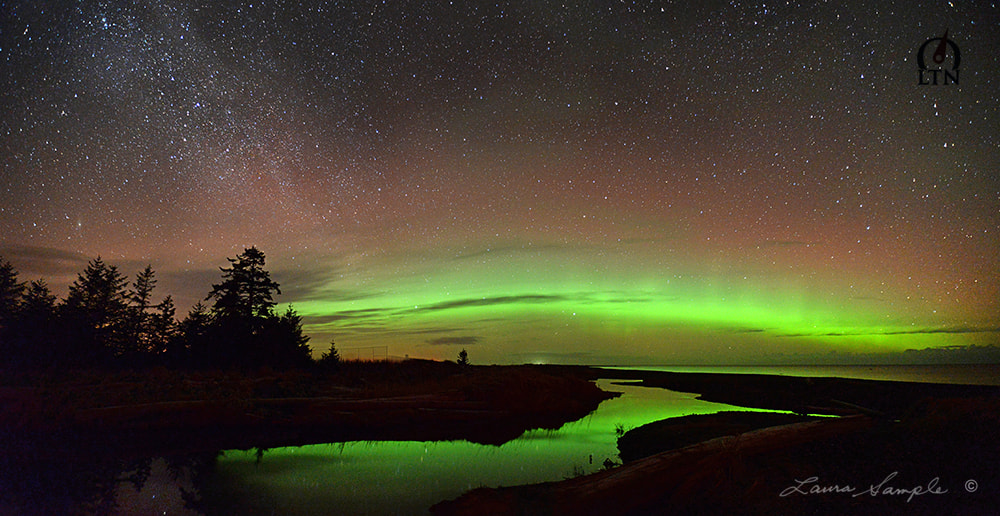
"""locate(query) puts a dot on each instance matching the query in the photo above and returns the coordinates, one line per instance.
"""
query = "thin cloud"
(919, 331)
(489, 301)
(378, 313)
(466, 340)
(746, 330)
(350, 315)
(45, 261)
(957, 330)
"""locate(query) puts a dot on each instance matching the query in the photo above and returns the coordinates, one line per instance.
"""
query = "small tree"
(280, 343)
(463, 357)
(142, 290)
(192, 343)
(330, 359)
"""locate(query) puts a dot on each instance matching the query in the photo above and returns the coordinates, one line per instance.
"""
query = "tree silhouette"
(94, 312)
(330, 359)
(463, 357)
(142, 289)
(243, 328)
(139, 319)
(191, 343)
(246, 288)
(281, 343)
(10, 304)
(35, 329)
(10, 295)
(105, 321)
(164, 327)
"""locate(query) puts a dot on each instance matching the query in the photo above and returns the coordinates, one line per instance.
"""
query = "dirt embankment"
(678, 432)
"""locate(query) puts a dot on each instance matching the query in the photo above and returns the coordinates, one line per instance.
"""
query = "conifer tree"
(246, 291)
(140, 320)
(95, 309)
(244, 329)
(10, 295)
(163, 325)
(35, 334)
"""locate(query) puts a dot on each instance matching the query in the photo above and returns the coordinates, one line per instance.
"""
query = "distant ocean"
(969, 374)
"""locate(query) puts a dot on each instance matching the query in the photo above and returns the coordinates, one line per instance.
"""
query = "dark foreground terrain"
(162, 411)
(900, 448)
(64, 439)
(897, 448)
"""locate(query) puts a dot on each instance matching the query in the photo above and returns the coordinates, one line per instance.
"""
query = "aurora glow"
(535, 182)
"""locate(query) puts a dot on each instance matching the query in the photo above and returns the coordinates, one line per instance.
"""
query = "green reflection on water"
(407, 477)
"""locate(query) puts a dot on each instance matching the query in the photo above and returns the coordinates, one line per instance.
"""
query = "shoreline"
(802, 394)
(421, 400)
(956, 374)
(927, 431)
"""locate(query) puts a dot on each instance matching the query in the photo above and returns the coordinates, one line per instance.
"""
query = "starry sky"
(581, 182)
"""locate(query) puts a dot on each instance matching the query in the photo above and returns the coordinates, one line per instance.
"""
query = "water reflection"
(53, 487)
(354, 477)
(92, 482)
(408, 477)
(173, 486)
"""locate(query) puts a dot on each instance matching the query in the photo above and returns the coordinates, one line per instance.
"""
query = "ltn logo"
(944, 50)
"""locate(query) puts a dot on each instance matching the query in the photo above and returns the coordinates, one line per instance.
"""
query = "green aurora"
(691, 183)
(516, 308)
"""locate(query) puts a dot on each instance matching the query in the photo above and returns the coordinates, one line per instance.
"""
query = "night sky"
(589, 182)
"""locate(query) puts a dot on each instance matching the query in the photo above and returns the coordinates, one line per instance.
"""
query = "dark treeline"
(108, 321)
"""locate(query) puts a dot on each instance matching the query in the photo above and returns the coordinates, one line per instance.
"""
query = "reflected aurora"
(407, 477)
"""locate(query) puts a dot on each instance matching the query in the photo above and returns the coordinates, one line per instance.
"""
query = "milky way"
(536, 181)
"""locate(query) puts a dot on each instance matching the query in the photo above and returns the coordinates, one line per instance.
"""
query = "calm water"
(408, 477)
(970, 374)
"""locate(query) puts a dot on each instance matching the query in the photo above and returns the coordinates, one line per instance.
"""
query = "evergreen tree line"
(106, 321)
